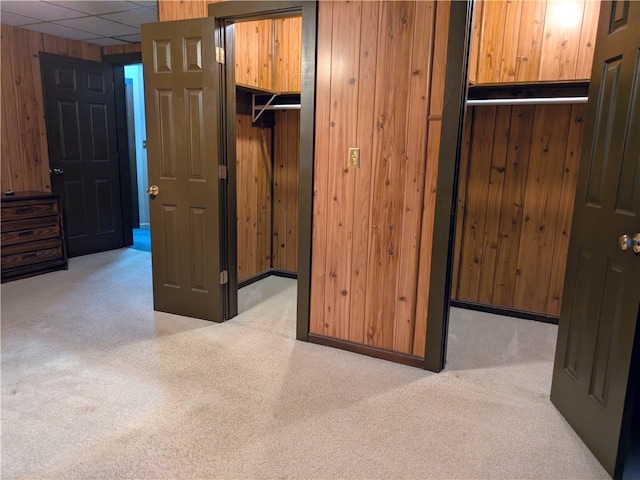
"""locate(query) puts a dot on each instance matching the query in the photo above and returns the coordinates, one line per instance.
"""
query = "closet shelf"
(538, 93)
(263, 100)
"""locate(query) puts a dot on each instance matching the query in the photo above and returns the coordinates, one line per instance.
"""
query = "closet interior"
(529, 68)
(267, 76)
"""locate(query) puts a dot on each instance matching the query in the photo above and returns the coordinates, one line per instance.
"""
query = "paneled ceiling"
(98, 22)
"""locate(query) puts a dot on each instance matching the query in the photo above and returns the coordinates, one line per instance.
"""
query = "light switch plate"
(354, 158)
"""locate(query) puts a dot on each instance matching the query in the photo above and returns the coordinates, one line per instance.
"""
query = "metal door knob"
(153, 190)
(57, 171)
(625, 242)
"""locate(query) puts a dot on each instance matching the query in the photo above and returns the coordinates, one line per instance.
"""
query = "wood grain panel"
(253, 179)
(368, 222)
(321, 167)
(288, 54)
(533, 40)
(517, 211)
(25, 158)
(120, 49)
(286, 160)
(253, 53)
(182, 9)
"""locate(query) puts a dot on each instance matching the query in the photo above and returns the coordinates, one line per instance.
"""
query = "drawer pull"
(29, 255)
(24, 210)
(26, 233)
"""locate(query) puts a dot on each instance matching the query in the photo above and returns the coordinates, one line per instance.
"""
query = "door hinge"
(222, 172)
(224, 277)
(220, 55)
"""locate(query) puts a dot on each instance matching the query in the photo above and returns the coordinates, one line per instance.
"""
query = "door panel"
(183, 138)
(600, 306)
(82, 140)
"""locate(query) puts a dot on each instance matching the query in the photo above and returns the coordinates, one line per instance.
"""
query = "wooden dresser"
(32, 235)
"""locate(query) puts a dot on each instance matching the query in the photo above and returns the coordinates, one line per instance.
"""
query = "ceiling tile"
(131, 38)
(99, 26)
(40, 10)
(17, 20)
(96, 7)
(134, 17)
(60, 31)
(106, 41)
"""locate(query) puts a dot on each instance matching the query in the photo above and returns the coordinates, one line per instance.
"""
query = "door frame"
(225, 14)
(118, 62)
(453, 118)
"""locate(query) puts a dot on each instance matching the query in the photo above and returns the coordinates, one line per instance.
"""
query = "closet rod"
(527, 101)
(286, 106)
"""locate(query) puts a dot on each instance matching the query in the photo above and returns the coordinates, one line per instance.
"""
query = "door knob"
(57, 171)
(625, 242)
(153, 190)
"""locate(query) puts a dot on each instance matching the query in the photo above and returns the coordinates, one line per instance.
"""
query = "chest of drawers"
(32, 235)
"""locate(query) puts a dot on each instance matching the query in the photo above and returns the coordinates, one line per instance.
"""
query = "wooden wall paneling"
(550, 129)
(321, 167)
(587, 39)
(461, 200)
(494, 200)
(491, 41)
(285, 190)
(559, 56)
(253, 178)
(340, 186)
(265, 54)
(472, 249)
(292, 139)
(12, 157)
(120, 49)
(511, 209)
(530, 40)
(182, 9)
(436, 105)
(389, 169)
(419, 89)
(474, 47)
(565, 209)
(509, 60)
(362, 176)
(288, 54)
(246, 53)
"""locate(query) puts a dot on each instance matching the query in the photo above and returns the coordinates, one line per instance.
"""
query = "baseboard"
(507, 312)
(368, 350)
(264, 274)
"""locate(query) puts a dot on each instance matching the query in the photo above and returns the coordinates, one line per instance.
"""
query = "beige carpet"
(97, 385)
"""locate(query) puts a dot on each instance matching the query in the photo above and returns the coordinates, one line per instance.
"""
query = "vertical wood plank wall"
(254, 178)
(119, 49)
(286, 153)
(533, 40)
(254, 53)
(380, 77)
(517, 188)
(24, 154)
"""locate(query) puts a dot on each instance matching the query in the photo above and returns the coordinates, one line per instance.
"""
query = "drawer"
(20, 248)
(29, 231)
(32, 257)
(29, 209)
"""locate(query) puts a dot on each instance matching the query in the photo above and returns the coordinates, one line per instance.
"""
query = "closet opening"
(268, 116)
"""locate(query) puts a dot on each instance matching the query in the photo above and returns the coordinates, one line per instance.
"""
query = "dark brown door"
(183, 138)
(83, 151)
(602, 294)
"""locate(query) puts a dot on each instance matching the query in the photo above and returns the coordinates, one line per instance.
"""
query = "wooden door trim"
(453, 117)
(225, 13)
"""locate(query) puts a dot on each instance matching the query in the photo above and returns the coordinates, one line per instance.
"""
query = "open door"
(183, 139)
(599, 314)
(83, 151)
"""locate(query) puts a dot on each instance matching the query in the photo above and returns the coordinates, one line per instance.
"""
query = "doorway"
(136, 136)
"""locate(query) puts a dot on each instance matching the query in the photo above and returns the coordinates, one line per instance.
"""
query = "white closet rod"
(527, 101)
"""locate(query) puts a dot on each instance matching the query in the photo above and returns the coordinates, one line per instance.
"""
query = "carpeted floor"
(97, 385)
(142, 239)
